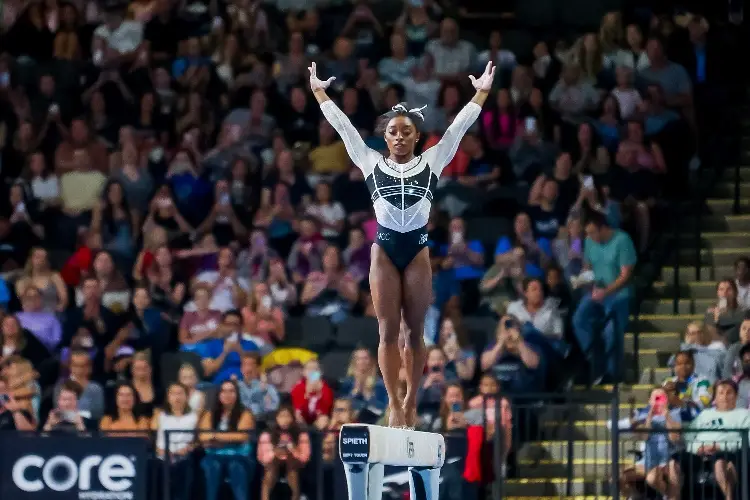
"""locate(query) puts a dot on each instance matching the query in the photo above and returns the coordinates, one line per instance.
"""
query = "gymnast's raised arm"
(362, 156)
(443, 152)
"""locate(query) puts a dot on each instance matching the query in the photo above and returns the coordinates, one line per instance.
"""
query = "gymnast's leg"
(417, 296)
(385, 287)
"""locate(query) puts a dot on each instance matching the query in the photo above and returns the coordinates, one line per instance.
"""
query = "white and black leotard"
(401, 193)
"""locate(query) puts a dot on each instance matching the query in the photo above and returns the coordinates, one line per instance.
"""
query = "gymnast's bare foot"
(410, 414)
(396, 416)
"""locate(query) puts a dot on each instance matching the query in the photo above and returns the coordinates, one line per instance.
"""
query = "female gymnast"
(401, 187)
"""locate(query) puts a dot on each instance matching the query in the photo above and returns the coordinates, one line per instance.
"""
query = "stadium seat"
(335, 364)
(309, 332)
(356, 332)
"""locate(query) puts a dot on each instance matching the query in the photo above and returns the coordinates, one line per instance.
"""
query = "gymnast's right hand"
(315, 82)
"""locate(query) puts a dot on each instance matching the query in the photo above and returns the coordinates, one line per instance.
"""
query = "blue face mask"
(313, 376)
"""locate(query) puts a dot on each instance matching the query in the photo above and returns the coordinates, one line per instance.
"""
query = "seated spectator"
(362, 384)
(188, 377)
(306, 254)
(658, 417)
(656, 115)
(39, 274)
(328, 157)
(66, 417)
(312, 397)
(573, 96)
(500, 124)
(91, 397)
(399, 66)
(520, 254)
(329, 214)
(285, 445)
(609, 129)
(228, 291)
(13, 416)
(357, 254)
(257, 395)
(435, 380)
(145, 326)
(637, 176)
(712, 445)
(530, 153)
(518, 364)
(177, 418)
(331, 292)
(610, 254)
(253, 262)
(539, 316)
(116, 223)
(547, 216)
(732, 358)
(450, 418)
(115, 292)
(567, 248)
(123, 419)
(742, 280)
(453, 56)
(164, 214)
(459, 352)
(727, 315)
(633, 55)
(25, 228)
(693, 390)
(628, 98)
(14, 340)
(42, 324)
(223, 221)
(227, 445)
(222, 353)
(708, 352)
(80, 189)
(742, 377)
(261, 319)
(341, 414)
(165, 283)
(201, 323)
(465, 257)
(21, 380)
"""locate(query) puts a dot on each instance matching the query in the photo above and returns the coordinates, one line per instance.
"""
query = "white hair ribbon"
(400, 108)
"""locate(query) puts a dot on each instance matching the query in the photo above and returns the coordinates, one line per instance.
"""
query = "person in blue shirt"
(466, 257)
(610, 255)
(221, 355)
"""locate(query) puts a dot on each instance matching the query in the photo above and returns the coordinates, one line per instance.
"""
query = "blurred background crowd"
(185, 243)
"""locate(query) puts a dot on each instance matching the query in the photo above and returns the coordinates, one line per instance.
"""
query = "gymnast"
(401, 188)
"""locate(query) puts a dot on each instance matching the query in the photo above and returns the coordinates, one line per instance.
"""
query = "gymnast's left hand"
(484, 82)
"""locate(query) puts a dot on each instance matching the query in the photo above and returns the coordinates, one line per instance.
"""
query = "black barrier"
(64, 467)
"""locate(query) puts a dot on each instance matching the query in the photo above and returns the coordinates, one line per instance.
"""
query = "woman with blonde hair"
(611, 32)
(38, 273)
(188, 377)
(362, 383)
(708, 349)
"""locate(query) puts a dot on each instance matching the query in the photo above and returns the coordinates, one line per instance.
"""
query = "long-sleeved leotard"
(401, 192)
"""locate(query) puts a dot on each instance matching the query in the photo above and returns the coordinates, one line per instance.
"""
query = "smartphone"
(224, 199)
(3, 399)
(266, 302)
(588, 182)
(456, 407)
(4, 79)
(54, 108)
(723, 303)
(530, 124)
(509, 324)
(457, 238)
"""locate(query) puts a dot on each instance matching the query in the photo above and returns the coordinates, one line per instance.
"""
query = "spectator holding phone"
(518, 364)
(66, 417)
(285, 446)
(727, 315)
(435, 381)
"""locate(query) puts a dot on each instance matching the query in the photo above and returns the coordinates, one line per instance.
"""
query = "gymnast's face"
(401, 135)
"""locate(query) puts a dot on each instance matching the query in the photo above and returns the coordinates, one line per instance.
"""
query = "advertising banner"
(72, 468)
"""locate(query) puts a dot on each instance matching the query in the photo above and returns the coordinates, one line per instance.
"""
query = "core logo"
(115, 474)
(348, 440)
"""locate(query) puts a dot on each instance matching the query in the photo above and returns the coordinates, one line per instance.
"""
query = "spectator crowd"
(184, 243)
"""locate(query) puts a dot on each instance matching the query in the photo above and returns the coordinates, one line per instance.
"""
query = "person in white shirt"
(229, 290)
(627, 97)
(537, 311)
(117, 39)
(718, 442)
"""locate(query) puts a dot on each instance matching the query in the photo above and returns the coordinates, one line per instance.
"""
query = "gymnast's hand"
(481, 84)
(315, 82)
